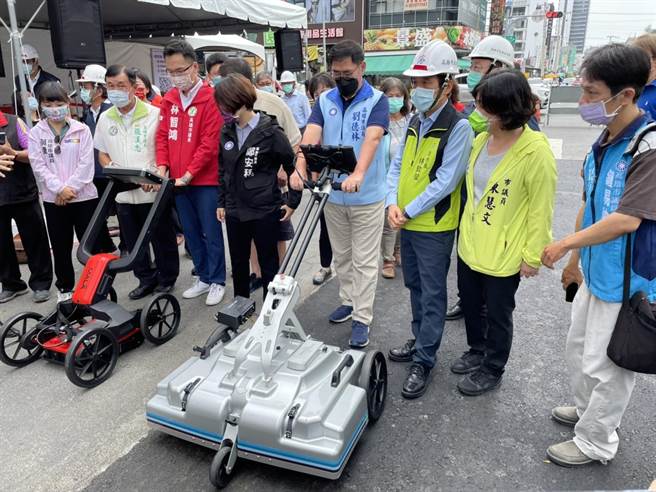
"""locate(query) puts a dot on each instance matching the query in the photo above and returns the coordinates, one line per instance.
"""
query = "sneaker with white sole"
(197, 289)
(215, 294)
(64, 296)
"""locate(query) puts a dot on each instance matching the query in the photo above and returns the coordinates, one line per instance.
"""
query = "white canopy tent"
(226, 41)
(277, 13)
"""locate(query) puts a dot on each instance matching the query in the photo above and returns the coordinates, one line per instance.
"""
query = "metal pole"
(325, 53)
(15, 38)
(562, 36)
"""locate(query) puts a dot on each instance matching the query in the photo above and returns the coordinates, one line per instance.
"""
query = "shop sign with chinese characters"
(404, 38)
(329, 33)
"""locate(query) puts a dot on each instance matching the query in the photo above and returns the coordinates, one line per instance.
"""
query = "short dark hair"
(506, 94)
(233, 92)
(322, 78)
(236, 65)
(52, 92)
(118, 69)
(139, 74)
(619, 67)
(214, 59)
(180, 47)
(346, 49)
(393, 83)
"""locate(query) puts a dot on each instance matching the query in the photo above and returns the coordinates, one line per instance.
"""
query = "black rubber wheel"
(15, 348)
(219, 476)
(160, 319)
(91, 358)
(373, 379)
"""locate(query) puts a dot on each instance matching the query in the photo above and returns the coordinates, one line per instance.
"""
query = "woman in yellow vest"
(511, 183)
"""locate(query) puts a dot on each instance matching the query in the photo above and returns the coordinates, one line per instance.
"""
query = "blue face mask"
(473, 78)
(58, 113)
(267, 88)
(216, 80)
(32, 103)
(423, 99)
(395, 104)
(120, 99)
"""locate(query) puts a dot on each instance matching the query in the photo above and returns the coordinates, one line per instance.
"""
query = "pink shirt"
(73, 167)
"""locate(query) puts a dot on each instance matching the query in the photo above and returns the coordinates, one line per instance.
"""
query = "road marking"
(556, 147)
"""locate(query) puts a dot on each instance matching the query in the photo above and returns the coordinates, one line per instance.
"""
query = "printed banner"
(415, 5)
(404, 38)
(496, 16)
(160, 77)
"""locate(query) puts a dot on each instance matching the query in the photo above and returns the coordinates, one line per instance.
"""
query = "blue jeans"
(425, 259)
(197, 210)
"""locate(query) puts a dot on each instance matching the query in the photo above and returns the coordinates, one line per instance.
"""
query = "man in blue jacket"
(619, 202)
(357, 115)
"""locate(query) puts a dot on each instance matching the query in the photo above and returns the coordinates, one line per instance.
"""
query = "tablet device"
(336, 157)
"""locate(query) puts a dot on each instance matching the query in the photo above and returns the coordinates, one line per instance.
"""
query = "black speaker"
(76, 31)
(289, 50)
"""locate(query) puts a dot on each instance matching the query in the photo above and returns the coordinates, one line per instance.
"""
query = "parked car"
(540, 89)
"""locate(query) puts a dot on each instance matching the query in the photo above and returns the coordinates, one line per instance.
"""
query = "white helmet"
(495, 48)
(287, 76)
(29, 52)
(435, 58)
(93, 73)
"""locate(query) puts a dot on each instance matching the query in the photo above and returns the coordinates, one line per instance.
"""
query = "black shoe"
(193, 272)
(164, 288)
(454, 312)
(479, 382)
(404, 353)
(469, 362)
(416, 383)
(141, 292)
(256, 283)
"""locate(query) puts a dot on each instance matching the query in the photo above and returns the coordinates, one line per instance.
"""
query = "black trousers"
(325, 249)
(492, 334)
(62, 222)
(131, 219)
(104, 242)
(264, 232)
(32, 230)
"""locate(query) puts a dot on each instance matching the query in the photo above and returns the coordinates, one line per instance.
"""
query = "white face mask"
(182, 82)
(27, 68)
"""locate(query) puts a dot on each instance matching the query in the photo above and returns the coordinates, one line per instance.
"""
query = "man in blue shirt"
(357, 115)
(296, 101)
(423, 198)
(647, 101)
(619, 202)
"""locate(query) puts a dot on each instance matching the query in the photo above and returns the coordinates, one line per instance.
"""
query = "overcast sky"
(620, 18)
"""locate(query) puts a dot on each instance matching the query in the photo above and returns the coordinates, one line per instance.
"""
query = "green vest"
(419, 164)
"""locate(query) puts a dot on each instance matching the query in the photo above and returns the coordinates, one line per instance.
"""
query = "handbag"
(633, 343)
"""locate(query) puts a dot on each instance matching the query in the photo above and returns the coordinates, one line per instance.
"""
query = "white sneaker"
(198, 289)
(64, 296)
(215, 295)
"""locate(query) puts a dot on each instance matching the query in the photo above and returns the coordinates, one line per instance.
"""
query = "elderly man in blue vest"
(355, 114)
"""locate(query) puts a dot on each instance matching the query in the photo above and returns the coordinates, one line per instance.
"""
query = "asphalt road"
(55, 436)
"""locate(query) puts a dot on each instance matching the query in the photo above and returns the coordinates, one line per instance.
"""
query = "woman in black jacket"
(251, 150)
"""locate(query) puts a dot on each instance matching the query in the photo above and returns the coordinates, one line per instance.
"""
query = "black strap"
(627, 271)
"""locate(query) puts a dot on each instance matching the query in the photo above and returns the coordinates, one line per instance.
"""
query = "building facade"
(579, 24)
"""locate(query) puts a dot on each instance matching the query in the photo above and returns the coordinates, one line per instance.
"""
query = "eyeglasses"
(179, 72)
(57, 144)
(346, 75)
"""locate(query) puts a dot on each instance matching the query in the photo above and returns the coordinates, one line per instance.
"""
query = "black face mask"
(347, 86)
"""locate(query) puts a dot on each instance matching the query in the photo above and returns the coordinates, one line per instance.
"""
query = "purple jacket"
(73, 167)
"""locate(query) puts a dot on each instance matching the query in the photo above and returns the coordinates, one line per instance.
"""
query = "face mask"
(395, 104)
(473, 78)
(347, 87)
(595, 113)
(32, 103)
(288, 88)
(85, 95)
(27, 68)
(423, 99)
(227, 117)
(58, 113)
(216, 80)
(267, 88)
(140, 92)
(182, 82)
(120, 99)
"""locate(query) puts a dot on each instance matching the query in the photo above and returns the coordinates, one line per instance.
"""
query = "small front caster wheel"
(219, 475)
(160, 319)
(18, 345)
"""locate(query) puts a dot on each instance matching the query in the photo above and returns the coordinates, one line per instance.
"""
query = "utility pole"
(15, 37)
(563, 21)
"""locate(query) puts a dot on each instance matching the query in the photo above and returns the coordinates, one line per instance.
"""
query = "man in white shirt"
(125, 137)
